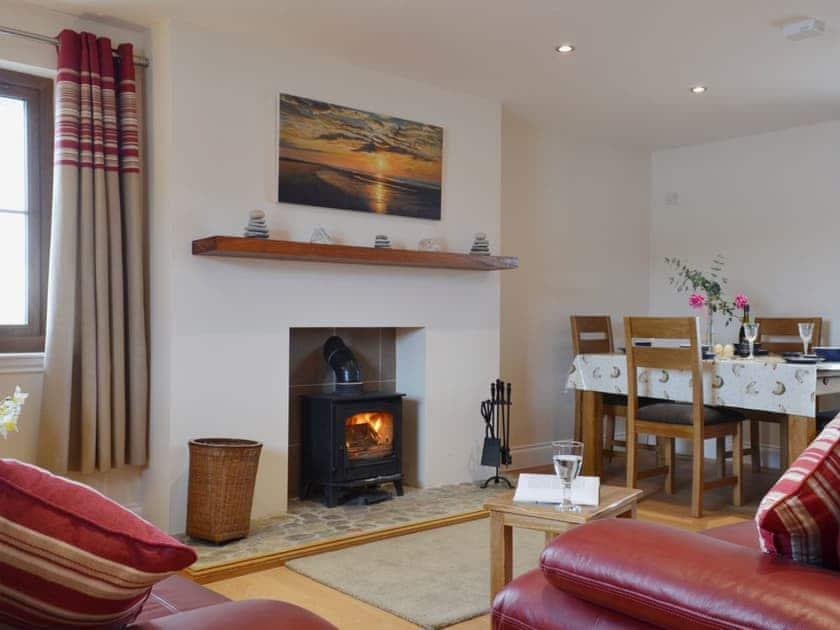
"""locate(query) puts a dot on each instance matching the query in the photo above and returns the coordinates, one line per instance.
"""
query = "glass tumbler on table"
(568, 460)
(751, 334)
(806, 329)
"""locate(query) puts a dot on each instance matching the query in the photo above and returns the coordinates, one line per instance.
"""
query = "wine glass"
(806, 329)
(568, 459)
(751, 333)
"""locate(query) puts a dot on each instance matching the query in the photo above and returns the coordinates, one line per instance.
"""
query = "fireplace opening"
(369, 435)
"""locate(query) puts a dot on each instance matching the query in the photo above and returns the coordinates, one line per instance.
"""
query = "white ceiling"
(627, 83)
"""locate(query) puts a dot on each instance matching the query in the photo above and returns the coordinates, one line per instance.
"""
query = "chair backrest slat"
(769, 327)
(665, 358)
(663, 327)
(591, 334)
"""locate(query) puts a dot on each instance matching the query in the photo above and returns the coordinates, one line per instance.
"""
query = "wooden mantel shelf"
(239, 247)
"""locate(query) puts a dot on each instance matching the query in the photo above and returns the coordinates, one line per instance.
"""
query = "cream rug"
(433, 579)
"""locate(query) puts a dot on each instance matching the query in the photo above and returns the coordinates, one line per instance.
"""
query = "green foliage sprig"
(710, 284)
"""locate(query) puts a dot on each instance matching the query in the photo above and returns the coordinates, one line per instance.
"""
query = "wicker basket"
(221, 488)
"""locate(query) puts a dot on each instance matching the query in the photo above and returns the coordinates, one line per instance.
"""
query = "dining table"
(764, 384)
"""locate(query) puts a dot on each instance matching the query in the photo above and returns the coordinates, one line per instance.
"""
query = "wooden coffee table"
(615, 501)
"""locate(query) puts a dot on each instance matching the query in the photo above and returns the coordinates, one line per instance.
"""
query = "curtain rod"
(8, 30)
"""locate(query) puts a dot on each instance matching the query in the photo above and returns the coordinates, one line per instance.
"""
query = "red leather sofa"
(177, 603)
(620, 573)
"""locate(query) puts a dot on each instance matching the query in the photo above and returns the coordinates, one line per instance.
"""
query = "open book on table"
(532, 488)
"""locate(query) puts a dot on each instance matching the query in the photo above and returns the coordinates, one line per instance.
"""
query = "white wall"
(220, 327)
(577, 215)
(769, 203)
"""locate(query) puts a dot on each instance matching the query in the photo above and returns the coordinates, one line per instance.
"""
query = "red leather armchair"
(630, 574)
(177, 603)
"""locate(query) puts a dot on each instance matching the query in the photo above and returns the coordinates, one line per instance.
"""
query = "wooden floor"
(348, 613)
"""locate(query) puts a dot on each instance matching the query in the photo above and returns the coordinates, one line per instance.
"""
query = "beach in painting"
(338, 157)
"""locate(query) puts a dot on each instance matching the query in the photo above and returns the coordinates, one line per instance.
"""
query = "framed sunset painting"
(338, 157)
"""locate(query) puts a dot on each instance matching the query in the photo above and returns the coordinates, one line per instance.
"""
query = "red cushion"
(71, 557)
(799, 517)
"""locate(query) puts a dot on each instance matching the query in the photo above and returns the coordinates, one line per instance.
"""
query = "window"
(26, 130)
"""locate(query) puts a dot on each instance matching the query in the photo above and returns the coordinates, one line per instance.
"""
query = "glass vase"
(709, 327)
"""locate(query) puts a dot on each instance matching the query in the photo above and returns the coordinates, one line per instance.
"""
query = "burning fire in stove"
(369, 435)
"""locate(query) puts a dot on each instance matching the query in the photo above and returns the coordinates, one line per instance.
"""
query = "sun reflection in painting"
(379, 197)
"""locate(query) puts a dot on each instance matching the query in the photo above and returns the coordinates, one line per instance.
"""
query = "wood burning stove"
(351, 440)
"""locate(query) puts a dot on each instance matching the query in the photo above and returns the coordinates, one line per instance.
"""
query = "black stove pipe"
(348, 374)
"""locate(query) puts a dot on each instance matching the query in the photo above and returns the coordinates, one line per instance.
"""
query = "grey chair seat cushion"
(680, 413)
(824, 417)
(621, 399)
(615, 399)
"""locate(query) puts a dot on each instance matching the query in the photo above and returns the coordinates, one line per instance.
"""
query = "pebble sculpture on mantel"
(257, 226)
(480, 246)
(382, 242)
(320, 236)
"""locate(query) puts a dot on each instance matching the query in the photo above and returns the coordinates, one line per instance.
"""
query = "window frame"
(37, 92)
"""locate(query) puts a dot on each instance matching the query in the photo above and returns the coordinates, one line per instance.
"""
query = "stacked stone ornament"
(257, 227)
(480, 246)
(382, 241)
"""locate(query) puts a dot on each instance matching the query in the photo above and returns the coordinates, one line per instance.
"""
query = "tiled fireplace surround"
(375, 351)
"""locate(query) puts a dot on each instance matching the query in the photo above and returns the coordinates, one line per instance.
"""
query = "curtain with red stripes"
(94, 414)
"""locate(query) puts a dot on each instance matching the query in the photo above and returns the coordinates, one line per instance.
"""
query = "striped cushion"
(800, 517)
(71, 557)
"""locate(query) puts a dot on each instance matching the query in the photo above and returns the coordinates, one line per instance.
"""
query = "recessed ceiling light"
(699, 89)
(564, 49)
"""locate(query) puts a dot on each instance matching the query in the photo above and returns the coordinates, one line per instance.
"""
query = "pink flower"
(696, 300)
(741, 301)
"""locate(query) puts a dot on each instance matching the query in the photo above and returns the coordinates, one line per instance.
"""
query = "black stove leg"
(307, 488)
(398, 487)
(331, 495)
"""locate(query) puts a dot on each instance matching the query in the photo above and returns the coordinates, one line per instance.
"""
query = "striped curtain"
(94, 414)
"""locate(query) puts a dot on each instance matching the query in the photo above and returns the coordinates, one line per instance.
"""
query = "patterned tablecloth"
(766, 383)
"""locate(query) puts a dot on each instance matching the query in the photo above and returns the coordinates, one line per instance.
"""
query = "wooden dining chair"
(592, 334)
(781, 334)
(777, 335)
(692, 421)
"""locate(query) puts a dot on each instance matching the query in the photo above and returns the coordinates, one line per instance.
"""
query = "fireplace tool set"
(496, 414)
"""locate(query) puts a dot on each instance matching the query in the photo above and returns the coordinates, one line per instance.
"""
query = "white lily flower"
(7, 426)
(19, 397)
(10, 408)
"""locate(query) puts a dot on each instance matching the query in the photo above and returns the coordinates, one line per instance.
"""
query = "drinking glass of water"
(751, 334)
(806, 329)
(568, 459)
